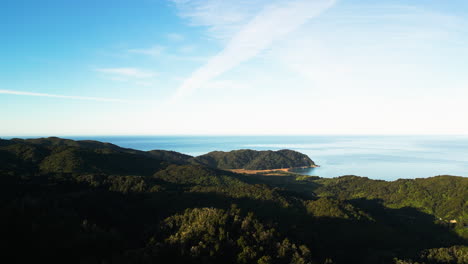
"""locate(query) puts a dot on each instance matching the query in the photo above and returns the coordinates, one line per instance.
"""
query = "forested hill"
(236, 159)
(443, 196)
(255, 160)
(55, 155)
(65, 201)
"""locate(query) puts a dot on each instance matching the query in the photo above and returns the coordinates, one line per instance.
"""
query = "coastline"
(244, 171)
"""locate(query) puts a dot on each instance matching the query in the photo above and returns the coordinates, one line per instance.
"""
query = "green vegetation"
(254, 160)
(455, 254)
(90, 202)
(170, 156)
(444, 196)
(211, 235)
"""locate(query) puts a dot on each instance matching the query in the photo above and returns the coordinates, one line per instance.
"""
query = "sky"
(243, 67)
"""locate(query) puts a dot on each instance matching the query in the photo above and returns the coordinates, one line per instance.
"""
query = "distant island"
(67, 201)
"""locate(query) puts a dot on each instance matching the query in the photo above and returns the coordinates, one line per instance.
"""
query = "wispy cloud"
(222, 18)
(152, 51)
(127, 72)
(273, 23)
(99, 99)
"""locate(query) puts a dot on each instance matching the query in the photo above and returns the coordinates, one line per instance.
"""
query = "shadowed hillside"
(65, 201)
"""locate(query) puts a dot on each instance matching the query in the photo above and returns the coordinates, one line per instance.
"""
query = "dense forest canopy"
(92, 202)
(236, 159)
(255, 160)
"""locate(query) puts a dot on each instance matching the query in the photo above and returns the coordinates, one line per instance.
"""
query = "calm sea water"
(376, 157)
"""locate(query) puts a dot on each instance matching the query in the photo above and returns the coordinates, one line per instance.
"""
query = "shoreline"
(244, 171)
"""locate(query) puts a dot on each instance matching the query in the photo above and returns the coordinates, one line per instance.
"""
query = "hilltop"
(248, 159)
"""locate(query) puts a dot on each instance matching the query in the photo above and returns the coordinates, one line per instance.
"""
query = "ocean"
(376, 157)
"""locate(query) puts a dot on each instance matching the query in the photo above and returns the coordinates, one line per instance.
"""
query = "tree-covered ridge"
(63, 156)
(236, 159)
(66, 203)
(455, 255)
(254, 160)
(170, 156)
(443, 196)
(55, 141)
(210, 235)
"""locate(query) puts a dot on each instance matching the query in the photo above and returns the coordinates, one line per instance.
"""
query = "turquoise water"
(376, 157)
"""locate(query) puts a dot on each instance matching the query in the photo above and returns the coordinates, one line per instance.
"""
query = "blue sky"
(150, 67)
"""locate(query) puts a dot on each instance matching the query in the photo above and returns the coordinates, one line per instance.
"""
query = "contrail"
(99, 99)
(271, 24)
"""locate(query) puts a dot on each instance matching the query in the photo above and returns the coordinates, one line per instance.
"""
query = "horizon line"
(210, 135)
